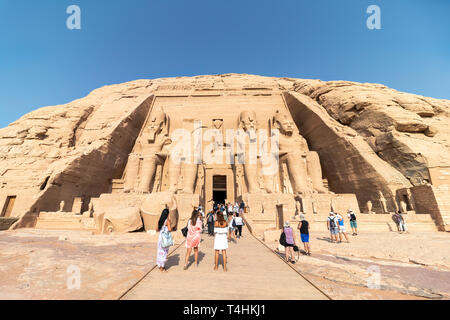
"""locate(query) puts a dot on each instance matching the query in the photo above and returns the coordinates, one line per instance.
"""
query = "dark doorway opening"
(219, 189)
(280, 217)
(219, 196)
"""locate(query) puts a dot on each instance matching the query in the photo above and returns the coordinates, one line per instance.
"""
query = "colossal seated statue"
(247, 148)
(301, 163)
(149, 147)
(183, 165)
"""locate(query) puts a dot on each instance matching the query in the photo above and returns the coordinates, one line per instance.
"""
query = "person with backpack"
(303, 226)
(332, 225)
(289, 243)
(352, 217)
(401, 224)
(239, 222)
(223, 210)
(210, 223)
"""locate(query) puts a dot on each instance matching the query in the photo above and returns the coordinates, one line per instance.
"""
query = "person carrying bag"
(166, 239)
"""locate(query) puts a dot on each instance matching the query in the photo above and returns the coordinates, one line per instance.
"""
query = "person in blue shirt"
(341, 227)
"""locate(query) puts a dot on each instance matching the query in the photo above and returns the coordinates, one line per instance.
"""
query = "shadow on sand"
(191, 260)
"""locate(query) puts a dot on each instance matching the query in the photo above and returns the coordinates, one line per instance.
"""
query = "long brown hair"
(194, 217)
(220, 218)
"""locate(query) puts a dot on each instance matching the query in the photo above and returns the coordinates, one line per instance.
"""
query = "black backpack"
(283, 239)
(332, 223)
(352, 217)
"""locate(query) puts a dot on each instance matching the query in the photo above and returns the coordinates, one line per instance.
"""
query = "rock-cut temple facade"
(112, 161)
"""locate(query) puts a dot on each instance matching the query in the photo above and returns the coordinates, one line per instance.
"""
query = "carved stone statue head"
(217, 123)
(158, 120)
(247, 120)
(282, 122)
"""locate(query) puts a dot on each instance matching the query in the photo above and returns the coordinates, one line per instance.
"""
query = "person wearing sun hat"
(303, 226)
(332, 225)
(353, 224)
(290, 243)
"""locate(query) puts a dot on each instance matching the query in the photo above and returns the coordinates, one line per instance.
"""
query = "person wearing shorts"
(341, 227)
(352, 217)
(303, 226)
(290, 243)
(332, 225)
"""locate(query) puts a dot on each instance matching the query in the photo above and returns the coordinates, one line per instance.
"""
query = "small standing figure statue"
(403, 206)
(298, 208)
(383, 202)
(410, 199)
(369, 207)
(313, 204)
(88, 213)
(332, 206)
(61, 206)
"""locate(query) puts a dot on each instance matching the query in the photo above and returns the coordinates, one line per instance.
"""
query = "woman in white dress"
(220, 240)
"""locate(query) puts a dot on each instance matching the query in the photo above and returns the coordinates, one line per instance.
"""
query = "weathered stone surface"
(398, 126)
(122, 220)
(368, 139)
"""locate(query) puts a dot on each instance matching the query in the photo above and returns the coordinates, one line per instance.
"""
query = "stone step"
(366, 223)
(65, 223)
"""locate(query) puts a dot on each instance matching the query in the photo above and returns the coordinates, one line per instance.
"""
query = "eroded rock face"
(369, 138)
(122, 220)
(408, 131)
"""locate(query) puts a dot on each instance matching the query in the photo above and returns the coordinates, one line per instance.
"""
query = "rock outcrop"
(369, 137)
(408, 131)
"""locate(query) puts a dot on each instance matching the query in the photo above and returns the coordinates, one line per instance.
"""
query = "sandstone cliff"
(367, 135)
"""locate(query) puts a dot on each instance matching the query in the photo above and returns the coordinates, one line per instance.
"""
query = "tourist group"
(224, 222)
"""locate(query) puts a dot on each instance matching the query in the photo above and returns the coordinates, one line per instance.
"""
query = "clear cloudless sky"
(43, 63)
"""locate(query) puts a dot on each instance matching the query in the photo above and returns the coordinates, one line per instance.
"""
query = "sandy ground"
(35, 264)
(42, 264)
(400, 266)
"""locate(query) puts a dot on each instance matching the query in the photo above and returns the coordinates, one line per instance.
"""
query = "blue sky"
(44, 63)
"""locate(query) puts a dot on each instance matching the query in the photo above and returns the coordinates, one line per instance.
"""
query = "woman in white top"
(239, 223)
(220, 240)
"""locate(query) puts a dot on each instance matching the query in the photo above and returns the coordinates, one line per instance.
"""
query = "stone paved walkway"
(254, 272)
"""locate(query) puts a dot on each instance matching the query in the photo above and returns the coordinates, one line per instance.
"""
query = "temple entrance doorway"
(219, 189)
(219, 185)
